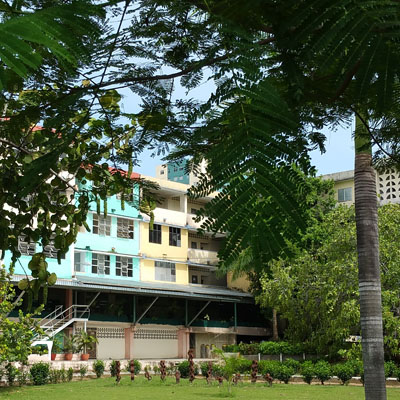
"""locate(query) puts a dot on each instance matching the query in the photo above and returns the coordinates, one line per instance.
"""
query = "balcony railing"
(169, 217)
(207, 257)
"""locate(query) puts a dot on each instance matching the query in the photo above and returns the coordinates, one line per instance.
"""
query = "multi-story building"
(387, 186)
(148, 289)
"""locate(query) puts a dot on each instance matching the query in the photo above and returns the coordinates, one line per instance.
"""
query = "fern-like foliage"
(27, 37)
(256, 163)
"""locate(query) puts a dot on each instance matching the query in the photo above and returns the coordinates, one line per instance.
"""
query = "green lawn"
(105, 388)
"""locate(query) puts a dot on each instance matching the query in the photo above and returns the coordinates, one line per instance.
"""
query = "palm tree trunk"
(368, 266)
(275, 335)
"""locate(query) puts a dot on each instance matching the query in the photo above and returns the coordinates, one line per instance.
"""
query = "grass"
(106, 388)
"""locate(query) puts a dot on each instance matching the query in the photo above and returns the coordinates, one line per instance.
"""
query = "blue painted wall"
(176, 172)
(62, 270)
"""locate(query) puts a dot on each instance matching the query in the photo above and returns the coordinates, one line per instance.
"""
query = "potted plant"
(56, 349)
(70, 346)
(85, 343)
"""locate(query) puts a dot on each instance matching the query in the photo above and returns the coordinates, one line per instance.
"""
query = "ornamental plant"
(344, 371)
(40, 373)
(323, 371)
(98, 368)
(307, 371)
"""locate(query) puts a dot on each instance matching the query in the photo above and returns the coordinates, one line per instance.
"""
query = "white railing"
(207, 257)
(169, 217)
(59, 319)
(190, 221)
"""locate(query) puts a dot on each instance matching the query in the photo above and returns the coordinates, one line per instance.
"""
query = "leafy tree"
(317, 290)
(16, 334)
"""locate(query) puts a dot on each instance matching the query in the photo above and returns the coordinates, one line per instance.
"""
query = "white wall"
(155, 341)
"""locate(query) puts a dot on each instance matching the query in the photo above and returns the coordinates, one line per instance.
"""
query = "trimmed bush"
(230, 348)
(344, 371)
(275, 348)
(183, 368)
(284, 373)
(323, 371)
(249, 348)
(98, 368)
(113, 368)
(390, 369)
(22, 378)
(137, 367)
(11, 373)
(204, 368)
(307, 371)
(294, 364)
(269, 367)
(40, 373)
(83, 371)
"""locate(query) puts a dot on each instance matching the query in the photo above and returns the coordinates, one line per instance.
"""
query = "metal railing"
(59, 319)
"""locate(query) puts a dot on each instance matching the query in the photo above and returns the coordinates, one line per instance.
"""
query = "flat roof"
(194, 292)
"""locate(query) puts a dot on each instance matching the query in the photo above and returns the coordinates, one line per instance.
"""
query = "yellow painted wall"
(241, 283)
(147, 272)
(341, 185)
(163, 251)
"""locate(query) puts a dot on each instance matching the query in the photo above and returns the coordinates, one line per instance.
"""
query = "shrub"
(54, 376)
(183, 368)
(284, 373)
(323, 371)
(269, 367)
(294, 364)
(83, 371)
(40, 373)
(69, 373)
(218, 370)
(22, 378)
(62, 373)
(137, 367)
(98, 368)
(11, 373)
(249, 348)
(113, 368)
(242, 366)
(204, 368)
(274, 348)
(230, 348)
(390, 369)
(307, 371)
(344, 371)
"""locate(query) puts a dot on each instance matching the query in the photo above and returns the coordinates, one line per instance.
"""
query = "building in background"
(148, 290)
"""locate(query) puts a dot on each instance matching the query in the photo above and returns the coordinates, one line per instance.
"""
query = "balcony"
(206, 257)
(169, 217)
(190, 221)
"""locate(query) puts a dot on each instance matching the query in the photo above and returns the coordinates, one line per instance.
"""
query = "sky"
(339, 155)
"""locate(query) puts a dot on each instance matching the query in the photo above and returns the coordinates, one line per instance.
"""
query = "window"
(127, 197)
(345, 194)
(79, 262)
(193, 245)
(193, 211)
(101, 225)
(175, 236)
(155, 234)
(125, 228)
(194, 279)
(50, 250)
(162, 172)
(25, 246)
(100, 264)
(164, 271)
(124, 266)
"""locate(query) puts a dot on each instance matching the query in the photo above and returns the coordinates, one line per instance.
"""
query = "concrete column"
(68, 299)
(183, 342)
(183, 203)
(129, 334)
